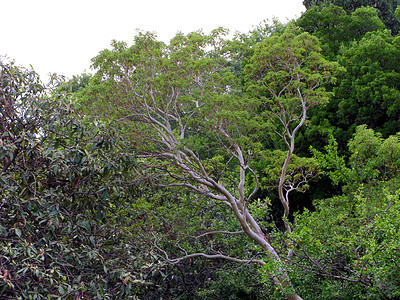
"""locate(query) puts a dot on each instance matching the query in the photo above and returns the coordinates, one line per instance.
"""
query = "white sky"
(61, 36)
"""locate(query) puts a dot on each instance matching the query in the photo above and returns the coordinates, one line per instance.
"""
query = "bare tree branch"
(218, 231)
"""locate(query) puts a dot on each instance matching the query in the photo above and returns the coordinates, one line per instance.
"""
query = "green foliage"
(83, 216)
(370, 88)
(335, 27)
(386, 9)
(189, 92)
(372, 158)
(62, 186)
(332, 164)
(352, 240)
(74, 85)
(193, 70)
(283, 63)
(300, 172)
(367, 93)
(235, 282)
(287, 73)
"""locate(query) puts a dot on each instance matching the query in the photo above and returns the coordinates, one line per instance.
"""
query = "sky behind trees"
(62, 36)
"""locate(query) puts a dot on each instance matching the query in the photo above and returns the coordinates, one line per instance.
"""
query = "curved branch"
(213, 256)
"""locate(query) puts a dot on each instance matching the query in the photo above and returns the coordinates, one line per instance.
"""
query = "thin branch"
(257, 184)
(216, 256)
(218, 231)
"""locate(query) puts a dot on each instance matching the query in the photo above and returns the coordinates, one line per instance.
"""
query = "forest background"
(263, 166)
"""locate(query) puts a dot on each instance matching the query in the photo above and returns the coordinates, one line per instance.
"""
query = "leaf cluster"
(63, 187)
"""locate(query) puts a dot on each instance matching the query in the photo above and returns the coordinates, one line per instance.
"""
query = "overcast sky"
(61, 36)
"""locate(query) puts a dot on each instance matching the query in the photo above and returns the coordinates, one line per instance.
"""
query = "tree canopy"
(386, 9)
(259, 166)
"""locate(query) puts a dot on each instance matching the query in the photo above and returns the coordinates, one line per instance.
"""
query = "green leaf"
(56, 169)
(3, 153)
(11, 154)
(18, 232)
(3, 181)
(61, 290)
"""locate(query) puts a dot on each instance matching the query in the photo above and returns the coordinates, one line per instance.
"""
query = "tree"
(386, 9)
(171, 93)
(180, 97)
(368, 93)
(288, 71)
(64, 198)
(335, 27)
(350, 241)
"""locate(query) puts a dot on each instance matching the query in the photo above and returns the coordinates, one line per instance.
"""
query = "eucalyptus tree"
(184, 108)
(287, 72)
